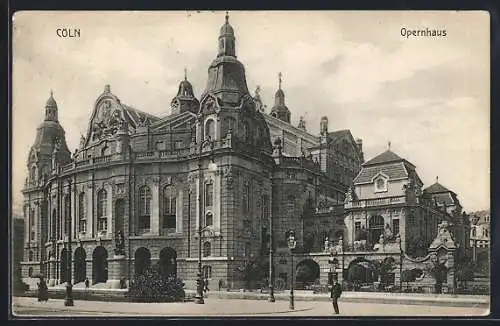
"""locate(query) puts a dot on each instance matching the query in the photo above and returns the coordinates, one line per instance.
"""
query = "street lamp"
(68, 300)
(291, 245)
(211, 166)
(271, 276)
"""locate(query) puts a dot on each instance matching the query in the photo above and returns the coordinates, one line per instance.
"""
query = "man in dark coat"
(43, 291)
(335, 293)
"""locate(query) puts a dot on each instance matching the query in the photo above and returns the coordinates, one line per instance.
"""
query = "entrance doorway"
(100, 265)
(168, 262)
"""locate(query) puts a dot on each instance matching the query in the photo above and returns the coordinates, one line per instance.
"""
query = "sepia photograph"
(250, 164)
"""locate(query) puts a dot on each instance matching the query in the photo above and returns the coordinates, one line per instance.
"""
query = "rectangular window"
(395, 226)
(102, 224)
(169, 222)
(160, 146)
(357, 226)
(144, 223)
(209, 194)
(178, 144)
(82, 226)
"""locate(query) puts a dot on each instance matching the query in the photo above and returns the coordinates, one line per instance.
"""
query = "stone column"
(451, 272)
(217, 200)
(155, 207)
(90, 212)
(52, 269)
(109, 213)
(179, 211)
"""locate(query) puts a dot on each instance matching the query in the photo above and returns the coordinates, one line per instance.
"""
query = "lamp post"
(398, 239)
(291, 246)
(212, 166)
(68, 300)
(271, 276)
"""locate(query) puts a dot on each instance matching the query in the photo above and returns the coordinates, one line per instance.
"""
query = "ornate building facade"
(139, 189)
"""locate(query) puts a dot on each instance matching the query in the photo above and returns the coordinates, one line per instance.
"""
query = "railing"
(376, 202)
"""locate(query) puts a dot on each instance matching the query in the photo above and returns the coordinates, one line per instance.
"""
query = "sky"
(427, 96)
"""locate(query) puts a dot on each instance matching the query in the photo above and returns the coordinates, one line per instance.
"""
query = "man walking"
(335, 293)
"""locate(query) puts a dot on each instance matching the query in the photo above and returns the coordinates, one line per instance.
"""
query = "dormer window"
(380, 184)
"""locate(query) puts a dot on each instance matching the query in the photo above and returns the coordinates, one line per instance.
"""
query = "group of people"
(43, 290)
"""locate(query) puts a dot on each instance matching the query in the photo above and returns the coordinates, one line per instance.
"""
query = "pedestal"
(117, 268)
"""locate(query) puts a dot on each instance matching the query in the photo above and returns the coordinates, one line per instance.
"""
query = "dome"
(51, 102)
(226, 29)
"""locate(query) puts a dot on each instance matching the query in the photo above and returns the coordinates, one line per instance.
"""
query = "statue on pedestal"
(119, 243)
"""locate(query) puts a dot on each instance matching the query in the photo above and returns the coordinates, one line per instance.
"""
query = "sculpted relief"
(108, 121)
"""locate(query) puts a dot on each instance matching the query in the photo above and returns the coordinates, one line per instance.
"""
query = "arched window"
(209, 219)
(246, 131)
(31, 224)
(473, 231)
(228, 124)
(486, 233)
(209, 194)
(102, 208)
(30, 255)
(169, 207)
(207, 249)
(82, 221)
(144, 208)
(376, 226)
(210, 129)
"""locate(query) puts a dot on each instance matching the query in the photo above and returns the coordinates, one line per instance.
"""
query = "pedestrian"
(43, 291)
(205, 285)
(220, 284)
(335, 293)
(87, 283)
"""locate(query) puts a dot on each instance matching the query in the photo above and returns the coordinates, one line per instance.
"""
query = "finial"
(51, 93)
(437, 179)
(185, 74)
(227, 16)
(389, 145)
(107, 88)
(279, 80)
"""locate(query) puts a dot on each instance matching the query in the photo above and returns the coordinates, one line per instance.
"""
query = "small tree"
(356, 275)
(251, 271)
(151, 286)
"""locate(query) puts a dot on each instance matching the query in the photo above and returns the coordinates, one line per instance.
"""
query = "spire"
(227, 17)
(185, 74)
(280, 75)
(389, 145)
(437, 179)
(51, 108)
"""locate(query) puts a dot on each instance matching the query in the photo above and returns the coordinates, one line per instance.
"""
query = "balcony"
(376, 202)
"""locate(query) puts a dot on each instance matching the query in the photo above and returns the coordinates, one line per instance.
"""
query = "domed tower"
(226, 105)
(185, 99)
(49, 147)
(280, 110)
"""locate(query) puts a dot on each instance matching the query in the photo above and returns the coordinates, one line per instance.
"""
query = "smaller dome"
(51, 102)
(226, 29)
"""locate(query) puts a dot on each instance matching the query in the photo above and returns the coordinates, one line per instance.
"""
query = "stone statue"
(82, 141)
(327, 244)
(119, 243)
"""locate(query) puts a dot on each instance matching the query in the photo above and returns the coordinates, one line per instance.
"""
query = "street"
(24, 307)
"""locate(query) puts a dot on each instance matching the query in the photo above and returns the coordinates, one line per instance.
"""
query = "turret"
(280, 110)
(185, 99)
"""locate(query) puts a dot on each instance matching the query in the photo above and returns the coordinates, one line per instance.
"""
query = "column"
(155, 207)
(90, 212)
(217, 200)
(197, 198)
(179, 211)
(109, 212)
(74, 219)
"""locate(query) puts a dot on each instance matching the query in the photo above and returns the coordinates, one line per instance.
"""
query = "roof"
(394, 170)
(137, 115)
(436, 188)
(338, 134)
(385, 157)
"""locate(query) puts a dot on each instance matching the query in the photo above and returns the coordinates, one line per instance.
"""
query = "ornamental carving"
(109, 120)
(228, 173)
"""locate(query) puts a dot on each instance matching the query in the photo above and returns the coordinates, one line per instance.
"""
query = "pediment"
(380, 175)
(108, 118)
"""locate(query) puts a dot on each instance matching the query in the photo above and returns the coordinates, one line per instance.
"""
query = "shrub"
(151, 286)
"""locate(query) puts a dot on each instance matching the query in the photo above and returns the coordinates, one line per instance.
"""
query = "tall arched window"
(31, 224)
(144, 208)
(376, 226)
(169, 207)
(210, 129)
(209, 194)
(207, 272)
(246, 131)
(102, 208)
(82, 220)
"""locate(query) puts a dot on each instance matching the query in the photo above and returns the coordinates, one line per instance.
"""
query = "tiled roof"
(386, 157)
(392, 170)
(436, 188)
(137, 115)
(338, 134)
(445, 198)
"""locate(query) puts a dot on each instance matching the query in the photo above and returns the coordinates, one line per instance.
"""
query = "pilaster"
(155, 207)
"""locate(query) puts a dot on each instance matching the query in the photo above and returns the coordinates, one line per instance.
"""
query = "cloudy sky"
(428, 96)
